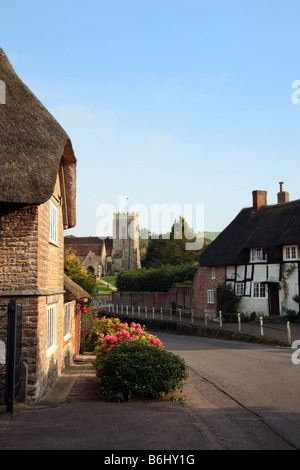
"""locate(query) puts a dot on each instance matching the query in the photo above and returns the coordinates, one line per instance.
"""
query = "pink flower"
(139, 330)
(100, 335)
(125, 324)
(133, 325)
(107, 338)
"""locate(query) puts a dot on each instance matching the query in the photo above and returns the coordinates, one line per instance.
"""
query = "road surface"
(246, 395)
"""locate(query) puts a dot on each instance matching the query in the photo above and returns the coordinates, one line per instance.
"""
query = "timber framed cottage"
(258, 255)
(37, 202)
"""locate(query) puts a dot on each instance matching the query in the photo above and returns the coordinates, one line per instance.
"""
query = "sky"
(187, 104)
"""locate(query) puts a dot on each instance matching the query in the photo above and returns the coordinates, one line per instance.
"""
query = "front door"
(273, 300)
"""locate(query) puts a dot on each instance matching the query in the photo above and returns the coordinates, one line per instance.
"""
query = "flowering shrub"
(139, 368)
(130, 361)
(107, 332)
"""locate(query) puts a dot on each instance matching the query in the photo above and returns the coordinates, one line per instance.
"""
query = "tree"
(171, 248)
(83, 278)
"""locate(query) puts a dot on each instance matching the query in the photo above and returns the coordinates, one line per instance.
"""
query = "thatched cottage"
(258, 255)
(37, 202)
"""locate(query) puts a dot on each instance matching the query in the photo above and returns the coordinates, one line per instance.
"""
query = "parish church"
(103, 256)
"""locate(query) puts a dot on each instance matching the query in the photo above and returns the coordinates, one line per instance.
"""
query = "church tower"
(126, 249)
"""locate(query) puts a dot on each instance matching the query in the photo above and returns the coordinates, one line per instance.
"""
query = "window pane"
(210, 296)
(240, 289)
(50, 334)
(53, 223)
(67, 322)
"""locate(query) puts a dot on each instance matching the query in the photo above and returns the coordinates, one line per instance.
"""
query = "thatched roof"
(74, 291)
(270, 228)
(32, 145)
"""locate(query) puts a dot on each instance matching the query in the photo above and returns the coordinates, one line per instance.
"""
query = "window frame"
(210, 296)
(290, 257)
(254, 258)
(67, 320)
(240, 286)
(53, 213)
(259, 290)
(51, 328)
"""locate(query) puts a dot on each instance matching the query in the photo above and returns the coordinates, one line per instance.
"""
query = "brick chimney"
(282, 196)
(259, 199)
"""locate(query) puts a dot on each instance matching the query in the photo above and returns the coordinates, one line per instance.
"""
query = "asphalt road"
(246, 394)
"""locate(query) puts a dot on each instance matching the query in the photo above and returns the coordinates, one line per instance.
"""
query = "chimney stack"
(282, 196)
(259, 199)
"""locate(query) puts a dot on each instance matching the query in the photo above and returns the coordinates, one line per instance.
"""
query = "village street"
(247, 395)
(238, 397)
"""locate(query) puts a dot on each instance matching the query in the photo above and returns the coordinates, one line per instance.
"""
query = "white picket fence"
(188, 316)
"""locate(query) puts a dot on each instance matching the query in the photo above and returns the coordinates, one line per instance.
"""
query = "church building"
(103, 256)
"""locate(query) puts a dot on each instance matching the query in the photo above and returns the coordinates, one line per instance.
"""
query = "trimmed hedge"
(155, 280)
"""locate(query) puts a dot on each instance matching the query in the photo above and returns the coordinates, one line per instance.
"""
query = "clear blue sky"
(174, 102)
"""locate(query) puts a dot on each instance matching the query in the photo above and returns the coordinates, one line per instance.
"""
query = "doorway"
(274, 299)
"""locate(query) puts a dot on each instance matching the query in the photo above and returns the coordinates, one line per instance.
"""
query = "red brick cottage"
(37, 202)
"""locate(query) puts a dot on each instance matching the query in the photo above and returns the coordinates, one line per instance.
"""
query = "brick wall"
(18, 248)
(185, 297)
(206, 278)
(31, 271)
(50, 256)
(179, 296)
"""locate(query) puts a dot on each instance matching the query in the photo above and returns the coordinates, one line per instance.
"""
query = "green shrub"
(227, 301)
(141, 369)
(292, 315)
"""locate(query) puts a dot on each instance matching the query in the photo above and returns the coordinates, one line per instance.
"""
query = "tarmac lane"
(72, 416)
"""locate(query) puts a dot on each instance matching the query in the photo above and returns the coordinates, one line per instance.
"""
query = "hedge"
(155, 280)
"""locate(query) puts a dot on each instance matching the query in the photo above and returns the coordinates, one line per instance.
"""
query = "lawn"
(102, 288)
(110, 279)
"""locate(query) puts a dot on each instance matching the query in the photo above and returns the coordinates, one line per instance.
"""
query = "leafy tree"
(83, 278)
(171, 248)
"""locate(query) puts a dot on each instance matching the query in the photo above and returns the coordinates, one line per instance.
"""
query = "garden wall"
(178, 296)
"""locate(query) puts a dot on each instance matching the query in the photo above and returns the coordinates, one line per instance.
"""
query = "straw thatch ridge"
(73, 291)
(270, 228)
(32, 145)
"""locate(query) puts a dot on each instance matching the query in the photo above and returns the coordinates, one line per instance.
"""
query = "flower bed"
(132, 362)
(110, 331)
